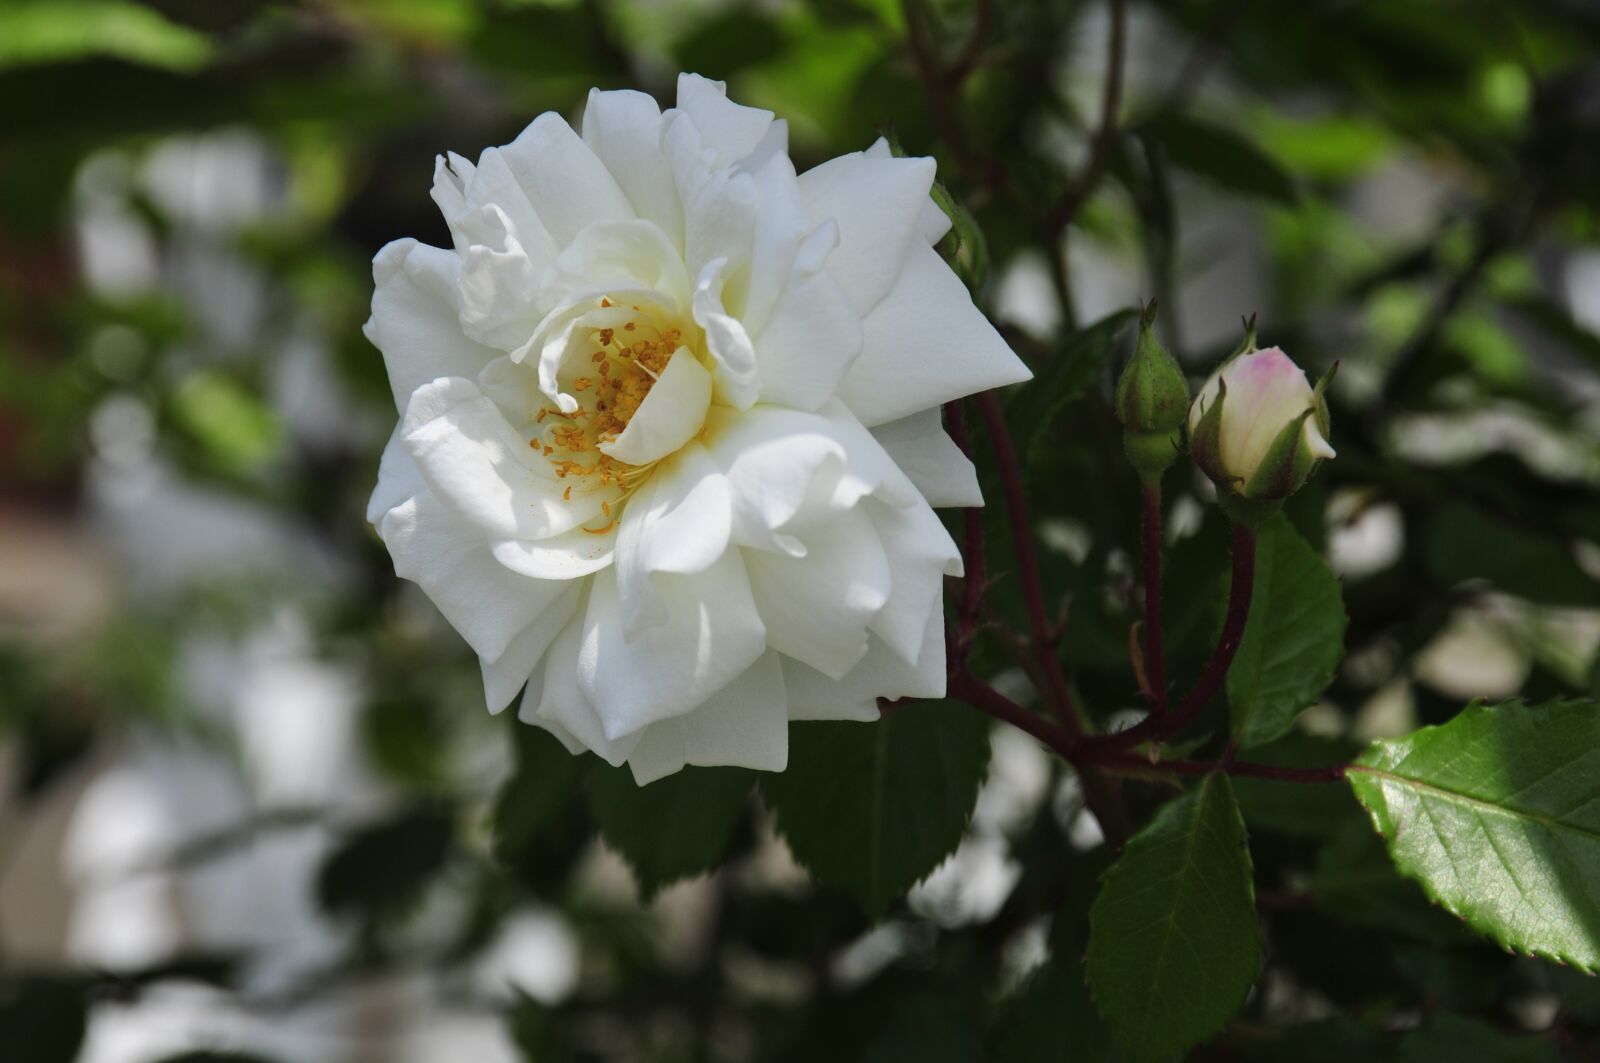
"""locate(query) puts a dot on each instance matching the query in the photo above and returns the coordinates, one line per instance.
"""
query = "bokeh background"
(248, 791)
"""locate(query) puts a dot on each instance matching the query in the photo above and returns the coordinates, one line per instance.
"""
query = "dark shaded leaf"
(1294, 639)
(874, 807)
(673, 828)
(1173, 942)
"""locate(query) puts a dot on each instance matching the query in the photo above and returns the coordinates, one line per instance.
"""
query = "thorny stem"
(1155, 728)
(1058, 695)
(955, 417)
(1154, 665)
(1082, 755)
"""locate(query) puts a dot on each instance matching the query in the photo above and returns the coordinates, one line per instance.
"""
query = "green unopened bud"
(1152, 398)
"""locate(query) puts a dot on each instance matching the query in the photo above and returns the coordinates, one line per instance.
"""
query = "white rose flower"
(669, 427)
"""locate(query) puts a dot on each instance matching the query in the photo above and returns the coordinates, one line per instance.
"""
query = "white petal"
(398, 479)
(780, 226)
(730, 129)
(498, 279)
(930, 459)
(450, 176)
(744, 725)
(568, 556)
(924, 345)
(921, 553)
(816, 608)
(625, 256)
(449, 560)
(670, 415)
(528, 712)
(773, 458)
(933, 223)
(882, 673)
(877, 204)
(679, 522)
(791, 471)
(483, 469)
(713, 634)
(623, 128)
(809, 342)
(562, 703)
(1316, 444)
(504, 675)
(568, 186)
(415, 319)
(492, 181)
(734, 371)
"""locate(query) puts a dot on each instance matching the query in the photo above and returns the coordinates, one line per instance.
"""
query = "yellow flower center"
(609, 372)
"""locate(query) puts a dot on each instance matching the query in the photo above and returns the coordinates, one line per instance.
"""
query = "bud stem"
(1156, 728)
(1155, 668)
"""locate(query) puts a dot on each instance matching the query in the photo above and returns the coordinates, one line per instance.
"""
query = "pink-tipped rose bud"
(1257, 428)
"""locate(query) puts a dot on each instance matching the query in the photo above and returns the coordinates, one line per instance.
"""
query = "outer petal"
(745, 725)
(780, 226)
(731, 130)
(498, 280)
(398, 479)
(623, 128)
(670, 415)
(812, 337)
(921, 553)
(931, 459)
(877, 204)
(494, 182)
(449, 560)
(713, 634)
(567, 184)
(559, 703)
(933, 223)
(882, 673)
(476, 464)
(817, 608)
(504, 676)
(925, 344)
(415, 318)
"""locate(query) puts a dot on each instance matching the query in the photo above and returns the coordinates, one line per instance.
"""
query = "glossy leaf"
(1173, 941)
(1497, 815)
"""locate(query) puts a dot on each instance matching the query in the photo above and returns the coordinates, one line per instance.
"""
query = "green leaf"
(383, 869)
(673, 828)
(1497, 815)
(1222, 156)
(541, 822)
(1066, 376)
(1293, 641)
(873, 807)
(1173, 941)
(1356, 881)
